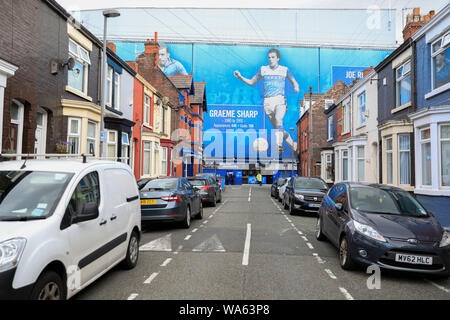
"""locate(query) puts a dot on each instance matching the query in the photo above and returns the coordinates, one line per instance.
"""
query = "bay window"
(91, 145)
(404, 158)
(361, 159)
(74, 135)
(445, 154)
(146, 158)
(425, 154)
(112, 144)
(389, 161)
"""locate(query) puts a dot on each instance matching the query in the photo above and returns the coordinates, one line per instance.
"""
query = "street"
(249, 248)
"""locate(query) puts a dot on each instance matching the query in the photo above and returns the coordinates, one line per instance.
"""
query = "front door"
(40, 133)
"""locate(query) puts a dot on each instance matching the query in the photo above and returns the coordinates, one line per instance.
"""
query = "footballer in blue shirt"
(169, 66)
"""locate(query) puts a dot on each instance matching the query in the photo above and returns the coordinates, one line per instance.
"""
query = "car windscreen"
(198, 182)
(161, 184)
(310, 183)
(29, 195)
(384, 201)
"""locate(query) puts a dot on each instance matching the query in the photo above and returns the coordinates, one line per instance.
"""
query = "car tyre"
(291, 208)
(132, 257)
(345, 257)
(214, 203)
(220, 198)
(49, 286)
(319, 233)
(187, 219)
(200, 214)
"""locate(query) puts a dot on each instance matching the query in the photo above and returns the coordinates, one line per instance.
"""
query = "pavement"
(249, 248)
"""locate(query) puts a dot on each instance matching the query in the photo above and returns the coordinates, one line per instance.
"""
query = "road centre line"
(346, 294)
(319, 259)
(166, 262)
(151, 278)
(187, 237)
(332, 276)
(310, 246)
(195, 230)
(132, 296)
(304, 238)
(438, 286)
(245, 258)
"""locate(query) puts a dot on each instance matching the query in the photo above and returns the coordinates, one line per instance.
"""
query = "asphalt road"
(249, 248)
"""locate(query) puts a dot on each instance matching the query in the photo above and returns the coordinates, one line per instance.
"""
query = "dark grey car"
(209, 190)
(304, 194)
(170, 199)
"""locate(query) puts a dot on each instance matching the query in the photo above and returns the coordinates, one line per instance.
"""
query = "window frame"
(147, 109)
(389, 178)
(330, 128)
(85, 61)
(398, 81)
(362, 115)
(421, 143)
(125, 144)
(400, 151)
(149, 151)
(363, 159)
(346, 118)
(444, 46)
(88, 138)
(72, 135)
(440, 154)
(164, 162)
(110, 143)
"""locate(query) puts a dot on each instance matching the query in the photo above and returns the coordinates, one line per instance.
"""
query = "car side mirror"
(339, 206)
(90, 212)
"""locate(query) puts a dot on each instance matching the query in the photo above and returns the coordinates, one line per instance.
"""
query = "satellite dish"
(71, 63)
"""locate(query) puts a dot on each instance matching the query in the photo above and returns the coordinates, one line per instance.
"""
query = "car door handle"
(132, 199)
(103, 222)
(113, 218)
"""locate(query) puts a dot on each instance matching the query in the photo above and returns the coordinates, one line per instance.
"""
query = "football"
(260, 145)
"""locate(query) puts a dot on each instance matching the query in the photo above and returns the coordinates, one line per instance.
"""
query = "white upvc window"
(362, 109)
(109, 86)
(330, 128)
(346, 117)
(74, 135)
(125, 147)
(440, 56)
(425, 155)
(444, 145)
(147, 158)
(404, 159)
(328, 164)
(163, 130)
(116, 104)
(328, 104)
(337, 167)
(351, 164)
(91, 145)
(78, 77)
(361, 160)
(147, 110)
(403, 84)
(164, 161)
(112, 144)
(389, 161)
(345, 165)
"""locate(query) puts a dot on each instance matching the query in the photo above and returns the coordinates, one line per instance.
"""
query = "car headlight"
(10, 253)
(445, 239)
(368, 231)
(300, 197)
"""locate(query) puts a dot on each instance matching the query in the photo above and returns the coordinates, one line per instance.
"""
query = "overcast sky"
(328, 4)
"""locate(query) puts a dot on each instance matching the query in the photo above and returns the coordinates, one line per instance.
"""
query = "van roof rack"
(59, 156)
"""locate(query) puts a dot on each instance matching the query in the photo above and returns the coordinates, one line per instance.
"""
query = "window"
(330, 128)
(345, 165)
(346, 117)
(91, 146)
(109, 86)
(147, 156)
(440, 57)
(425, 154)
(87, 191)
(164, 161)
(350, 155)
(156, 157)
(328, 167)
(403, 84)
(112, 144)
(78, 77)
(360, 155)
(362, 109)
(404, 147)
(116, 104)
(74, 132)
(445, 154)
(147, 110)
(163, 130)
(337, 166)
(389, 168)
(125, 147)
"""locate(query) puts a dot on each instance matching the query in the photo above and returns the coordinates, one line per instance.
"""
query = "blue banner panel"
(347, 74)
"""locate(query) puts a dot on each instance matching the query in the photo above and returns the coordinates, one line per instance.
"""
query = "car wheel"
(187, 219)
(220, 198)
(200, 214)
(285, 205)
(49, 287)
(214, 203)
(291, 208)
(279, 198)
(319, 234)
(345, 258)
(132, 252)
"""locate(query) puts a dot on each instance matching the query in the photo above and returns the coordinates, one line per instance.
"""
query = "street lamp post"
(107, 14)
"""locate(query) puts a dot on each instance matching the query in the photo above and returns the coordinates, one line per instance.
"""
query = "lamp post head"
(111, 13)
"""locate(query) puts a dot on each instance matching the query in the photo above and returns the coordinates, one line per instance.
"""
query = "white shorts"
(272, 102)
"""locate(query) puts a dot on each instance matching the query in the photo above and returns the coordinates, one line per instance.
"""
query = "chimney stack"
(111, 46)
(415, 21)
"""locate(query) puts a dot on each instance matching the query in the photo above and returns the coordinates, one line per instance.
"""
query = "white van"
(63, 224)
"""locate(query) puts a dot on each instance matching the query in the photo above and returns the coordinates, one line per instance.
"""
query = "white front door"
(41, 132)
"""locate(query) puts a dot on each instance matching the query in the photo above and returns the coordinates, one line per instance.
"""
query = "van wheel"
(49, 287)
(187, 220)
(132, 252)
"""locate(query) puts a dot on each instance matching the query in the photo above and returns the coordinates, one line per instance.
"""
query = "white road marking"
(213, 244)
(245, 258)
(300, 233)
(132, 296)
(166, 262)
(304, 238)
(187, 237)
(205, 222)
(310, 246)
(346, 294)
(438, 286)
(151, 278)
(332, 276)
(161, 244)
(319, 259)
(195, 230)
(293, 225)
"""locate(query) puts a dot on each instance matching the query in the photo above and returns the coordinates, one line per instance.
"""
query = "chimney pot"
(111, 46)
(416, 11)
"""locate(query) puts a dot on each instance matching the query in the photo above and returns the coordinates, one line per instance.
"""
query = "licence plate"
(406, 258)
(314, 205)
(148, 202)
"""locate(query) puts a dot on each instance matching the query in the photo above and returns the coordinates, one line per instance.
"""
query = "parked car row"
(371, 224)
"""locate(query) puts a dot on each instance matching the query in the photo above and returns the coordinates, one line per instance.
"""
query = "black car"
(208, 188)
(170, 199)
(304, 194)
(383, 225)
(274, 190)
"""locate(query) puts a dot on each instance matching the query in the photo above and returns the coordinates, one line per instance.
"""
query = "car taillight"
(171, 199)
(206, 188)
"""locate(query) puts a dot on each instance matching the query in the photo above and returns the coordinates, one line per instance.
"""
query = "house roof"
(182, 82)
(200, 94)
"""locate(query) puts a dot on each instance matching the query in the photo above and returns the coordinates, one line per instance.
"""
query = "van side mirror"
(339, 206)
(90, 212)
